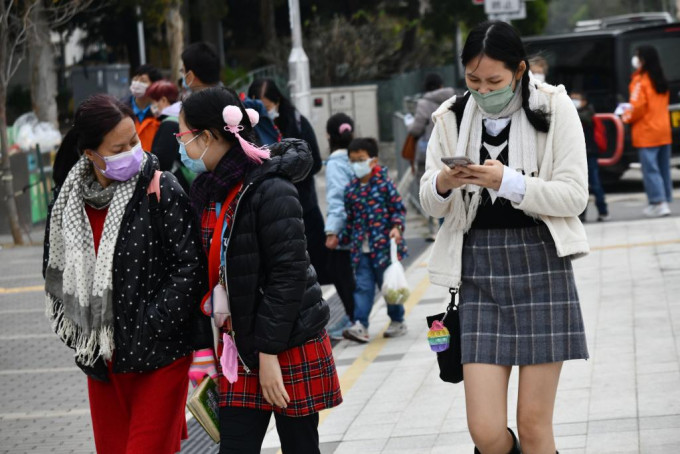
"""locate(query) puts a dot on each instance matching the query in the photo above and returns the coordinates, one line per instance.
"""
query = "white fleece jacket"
(556, 196)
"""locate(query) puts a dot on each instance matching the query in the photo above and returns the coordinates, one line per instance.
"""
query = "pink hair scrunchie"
(345, 127)
(232, 116)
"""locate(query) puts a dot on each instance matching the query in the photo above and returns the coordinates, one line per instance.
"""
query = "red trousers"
(140, 413)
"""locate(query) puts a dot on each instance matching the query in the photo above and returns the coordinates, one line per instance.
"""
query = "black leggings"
(242, 431)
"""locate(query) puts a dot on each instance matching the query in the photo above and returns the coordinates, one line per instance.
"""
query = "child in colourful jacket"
(375, 214)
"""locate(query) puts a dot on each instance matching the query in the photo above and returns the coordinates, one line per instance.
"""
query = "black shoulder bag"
(449, 360)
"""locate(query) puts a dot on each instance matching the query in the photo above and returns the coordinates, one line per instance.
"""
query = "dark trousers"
(595, 185)
(339, 265)
(332, 266)
(242, 431)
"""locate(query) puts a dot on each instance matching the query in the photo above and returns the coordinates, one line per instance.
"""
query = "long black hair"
(203, 111)
(286, 120)
(93, 120)
(500, 41)
(651, 64)
(339, 135)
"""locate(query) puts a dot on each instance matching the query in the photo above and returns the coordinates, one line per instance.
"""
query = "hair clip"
(232, 116)
(345, 127)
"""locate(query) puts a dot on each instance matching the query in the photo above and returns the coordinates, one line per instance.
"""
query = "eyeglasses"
(180, 134)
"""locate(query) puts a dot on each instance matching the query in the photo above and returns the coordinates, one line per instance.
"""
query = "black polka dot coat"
(159, 278)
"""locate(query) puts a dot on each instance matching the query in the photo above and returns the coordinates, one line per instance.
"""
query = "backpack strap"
(155, 185)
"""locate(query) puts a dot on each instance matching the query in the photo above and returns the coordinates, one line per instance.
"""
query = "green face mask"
(494, 101)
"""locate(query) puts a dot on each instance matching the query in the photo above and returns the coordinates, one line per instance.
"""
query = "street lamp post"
(298, 64)
(140, 36)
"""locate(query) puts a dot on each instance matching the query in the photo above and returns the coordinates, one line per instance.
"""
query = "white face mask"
(635, 62)
(138, 89)
(273, 113)
(577, 103)
(540, 77)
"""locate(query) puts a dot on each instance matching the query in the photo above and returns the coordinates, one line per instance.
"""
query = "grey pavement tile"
(598, 426)
(38, 353)
(651, 439)
(328, 448)
(409, 444)
(612, 443)
(660, 422)
(457, 442)
(570, 442)
(575, 428)
(369, 431)
(611, 407)
(371, 446)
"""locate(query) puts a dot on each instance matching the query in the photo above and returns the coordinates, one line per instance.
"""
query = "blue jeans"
(656, 173)
(595, 185)
(367, 277)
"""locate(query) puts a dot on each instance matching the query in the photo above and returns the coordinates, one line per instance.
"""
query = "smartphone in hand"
(457, 161)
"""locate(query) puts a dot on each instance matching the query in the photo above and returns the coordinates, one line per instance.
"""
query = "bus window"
(582, 64)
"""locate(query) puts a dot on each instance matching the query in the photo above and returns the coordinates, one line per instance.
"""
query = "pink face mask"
(122, 166)
(229, 359)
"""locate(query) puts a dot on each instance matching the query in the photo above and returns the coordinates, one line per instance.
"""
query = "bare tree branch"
(62, 11)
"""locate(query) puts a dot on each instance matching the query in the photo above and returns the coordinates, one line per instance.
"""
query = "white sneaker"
(335, 331)
(395, 329)
(657, 210)
(357, 332)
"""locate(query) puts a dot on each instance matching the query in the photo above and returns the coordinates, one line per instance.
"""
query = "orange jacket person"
(146, 123)
(651, 128)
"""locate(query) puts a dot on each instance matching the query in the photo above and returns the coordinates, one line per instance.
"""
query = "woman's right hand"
(271, 381)
(450, 178)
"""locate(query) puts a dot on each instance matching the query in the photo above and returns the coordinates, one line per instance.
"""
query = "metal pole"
(43, 178)
(298, 64)
(140, 36)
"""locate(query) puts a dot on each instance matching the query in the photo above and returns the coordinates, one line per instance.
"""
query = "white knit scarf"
(521, 142)
(78, 282)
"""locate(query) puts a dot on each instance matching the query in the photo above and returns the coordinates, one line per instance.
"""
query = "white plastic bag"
(395, 286)
(31, 132)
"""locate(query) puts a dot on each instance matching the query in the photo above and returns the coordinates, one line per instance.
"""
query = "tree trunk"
(268, 23)
(6, 171)
(677, 9)
(408, 42)
(174, 27)
(43, 73)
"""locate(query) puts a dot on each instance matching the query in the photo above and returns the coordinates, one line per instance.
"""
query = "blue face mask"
(361, 168)
(195, 165)
(185, 85)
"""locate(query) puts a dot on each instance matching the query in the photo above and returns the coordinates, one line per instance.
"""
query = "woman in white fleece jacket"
(510, 232)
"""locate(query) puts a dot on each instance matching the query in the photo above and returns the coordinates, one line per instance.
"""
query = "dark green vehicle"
(598, 63)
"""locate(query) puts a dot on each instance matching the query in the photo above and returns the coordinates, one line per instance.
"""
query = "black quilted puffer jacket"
(276, 301)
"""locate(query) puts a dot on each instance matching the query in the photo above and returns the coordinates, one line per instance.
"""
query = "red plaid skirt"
(309, 376)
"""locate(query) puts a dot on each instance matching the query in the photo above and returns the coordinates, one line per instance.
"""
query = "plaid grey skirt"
(518, 299)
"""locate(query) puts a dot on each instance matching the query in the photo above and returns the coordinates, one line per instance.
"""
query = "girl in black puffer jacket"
(253, 234)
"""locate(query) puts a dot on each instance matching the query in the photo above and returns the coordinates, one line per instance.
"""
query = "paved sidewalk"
(625, 399)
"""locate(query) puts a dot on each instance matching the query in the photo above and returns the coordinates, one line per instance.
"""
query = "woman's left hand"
(489, 175)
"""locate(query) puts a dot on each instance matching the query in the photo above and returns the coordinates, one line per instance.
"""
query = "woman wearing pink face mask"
(124, 275)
